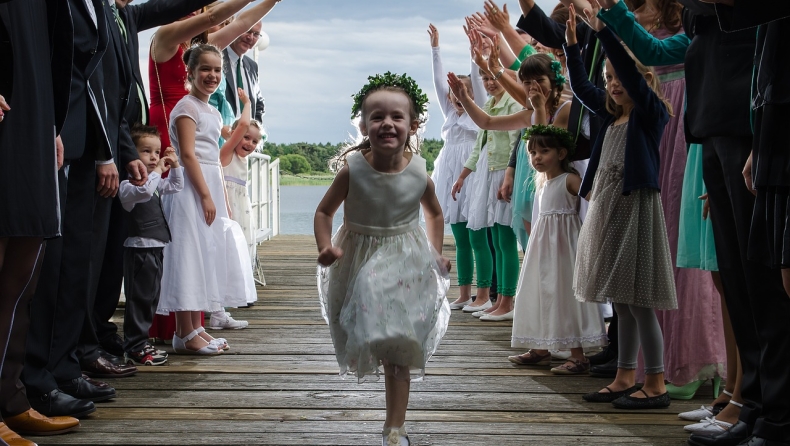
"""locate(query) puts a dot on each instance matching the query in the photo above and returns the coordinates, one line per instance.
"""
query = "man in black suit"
(52, 374)
(126, 102)
(242, 72)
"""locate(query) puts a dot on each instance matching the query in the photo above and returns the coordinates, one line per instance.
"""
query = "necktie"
(119, 22)
(239, 83)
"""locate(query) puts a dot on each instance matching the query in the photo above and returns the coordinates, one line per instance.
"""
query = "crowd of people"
(631, 148)
(121, 188)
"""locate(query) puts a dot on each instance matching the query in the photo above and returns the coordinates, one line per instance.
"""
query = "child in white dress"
(547, 314)
(459, 133)
(206, 266)
(382, 282)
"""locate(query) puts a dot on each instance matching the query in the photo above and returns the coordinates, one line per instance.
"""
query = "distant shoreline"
(322, 179)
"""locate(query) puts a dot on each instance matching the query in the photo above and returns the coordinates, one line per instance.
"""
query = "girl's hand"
(459, 183)
(483, 25)
(705, 206)
(476, 48)
(506, 190)
(536, 96)
(226, 132)
(329, 255)
(209, 210)
(243, 96)
(457, 87)
(493, 61)
(499, 19)
(570, 26)
(591, 15)
(4, 107)
(434, 33)
(444, 264)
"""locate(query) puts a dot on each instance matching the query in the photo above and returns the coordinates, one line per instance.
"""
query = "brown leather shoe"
(102, 368)
(12, 438)
(33, 423)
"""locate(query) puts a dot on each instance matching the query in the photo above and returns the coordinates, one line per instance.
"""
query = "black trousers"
(142, 275)
(109, 289)
(753, 292)
(59, 306)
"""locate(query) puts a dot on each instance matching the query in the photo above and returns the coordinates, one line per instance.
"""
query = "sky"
(322, 51)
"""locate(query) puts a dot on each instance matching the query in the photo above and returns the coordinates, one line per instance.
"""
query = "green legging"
(465, 244)
(507, 268)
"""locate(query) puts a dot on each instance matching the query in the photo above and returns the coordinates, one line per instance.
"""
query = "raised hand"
(163, 165)
(434, 33)
(536, 96)
(483, 24)
(608, 4)
(591, 16)
(476, 48)
(172, 159)
(457, 87)
(329, 255)
(243, 98)
(494, 65)
(499, 19)
(570, 26)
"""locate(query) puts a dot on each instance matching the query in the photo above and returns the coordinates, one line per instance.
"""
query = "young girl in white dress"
(459, 133)
(245, 139)
(547, 314)
(206, 265)
(382, 281)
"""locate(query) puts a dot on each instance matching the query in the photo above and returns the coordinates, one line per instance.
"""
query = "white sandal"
(392, 436)
(220, 343)
(180, 346)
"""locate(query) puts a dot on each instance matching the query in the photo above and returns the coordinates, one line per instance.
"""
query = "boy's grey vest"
(148, 220)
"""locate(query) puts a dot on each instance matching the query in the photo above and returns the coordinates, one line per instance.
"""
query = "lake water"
(297, 209)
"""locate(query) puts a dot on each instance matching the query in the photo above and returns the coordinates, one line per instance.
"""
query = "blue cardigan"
(646, 123)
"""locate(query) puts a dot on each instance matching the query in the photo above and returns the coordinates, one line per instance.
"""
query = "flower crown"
(403, 81)
(563, 137)
(556, 67)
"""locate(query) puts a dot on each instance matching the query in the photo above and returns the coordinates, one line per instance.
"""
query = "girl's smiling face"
(249, 143)
(206, 76)
(614, 87)
(492, 86)
(387, 120)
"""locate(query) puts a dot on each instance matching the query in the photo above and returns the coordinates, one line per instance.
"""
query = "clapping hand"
(475, 46)
(329, 255)
(457, 87)
(434, 33)
(499, 19)
(483, 25)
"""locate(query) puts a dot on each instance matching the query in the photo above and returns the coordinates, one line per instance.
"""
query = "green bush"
(285, 163)
(299, 163)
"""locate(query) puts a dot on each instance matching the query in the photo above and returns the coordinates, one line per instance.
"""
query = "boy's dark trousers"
(142, 277)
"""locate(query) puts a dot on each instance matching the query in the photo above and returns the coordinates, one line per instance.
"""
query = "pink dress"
(693, 335)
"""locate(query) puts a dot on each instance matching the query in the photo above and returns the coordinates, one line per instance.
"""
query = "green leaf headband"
(403, 81)
(563, 137)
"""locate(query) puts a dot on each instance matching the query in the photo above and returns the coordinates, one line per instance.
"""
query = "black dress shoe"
(758, 441)
(83, 390)
(608, 370)
(607, 397)
(59, 404)
(113, 345)
(102, 368)
(602, 357)
(117, 360)
(648, 402)
(738, 433)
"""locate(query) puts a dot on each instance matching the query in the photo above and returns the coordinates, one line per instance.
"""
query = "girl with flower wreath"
(382, 281)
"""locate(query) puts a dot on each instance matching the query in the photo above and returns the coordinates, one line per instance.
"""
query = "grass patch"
(322, 179)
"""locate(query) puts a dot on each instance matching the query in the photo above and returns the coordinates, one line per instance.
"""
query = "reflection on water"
(297, 209)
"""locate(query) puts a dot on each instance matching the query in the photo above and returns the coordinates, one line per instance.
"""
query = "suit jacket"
(87, 110)
(139, 18)
(251, 75)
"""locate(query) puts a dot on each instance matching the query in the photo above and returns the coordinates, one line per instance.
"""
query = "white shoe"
(222, 321)
(471, 309)
(697, 414)
(179, 346)
(460, 305)
(391, 436)
(502, 317)
(708, 426)
(479, 313)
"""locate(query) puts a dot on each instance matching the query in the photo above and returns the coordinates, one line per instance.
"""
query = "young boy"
(148, 235)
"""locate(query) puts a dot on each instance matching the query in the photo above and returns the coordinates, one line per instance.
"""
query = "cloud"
(317, 60)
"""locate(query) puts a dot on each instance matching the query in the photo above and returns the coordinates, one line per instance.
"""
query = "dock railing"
(264, 189)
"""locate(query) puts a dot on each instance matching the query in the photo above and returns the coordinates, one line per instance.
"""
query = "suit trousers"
(753, 292)
(142, 275)
(59, 305)
(109, 289)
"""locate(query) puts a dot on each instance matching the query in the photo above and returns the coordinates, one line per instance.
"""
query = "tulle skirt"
(484, 208)
(385, 303)
(446, 169)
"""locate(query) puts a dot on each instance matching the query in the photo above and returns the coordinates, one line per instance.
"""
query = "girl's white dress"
(547, 315)
(239, 200)
(205, 267)
(459, 134)
(384, 299)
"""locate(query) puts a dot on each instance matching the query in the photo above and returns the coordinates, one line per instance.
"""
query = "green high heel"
(688, 391)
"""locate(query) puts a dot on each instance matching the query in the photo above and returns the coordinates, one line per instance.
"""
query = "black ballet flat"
(649, 402)
(598, 397)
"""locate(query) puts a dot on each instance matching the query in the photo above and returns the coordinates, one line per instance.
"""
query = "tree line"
(305, 158)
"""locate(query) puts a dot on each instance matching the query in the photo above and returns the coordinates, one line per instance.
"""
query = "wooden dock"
(278, 385)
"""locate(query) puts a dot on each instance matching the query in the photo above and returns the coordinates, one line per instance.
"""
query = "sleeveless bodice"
(384, 204)
(555, 198)
(236, 170)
